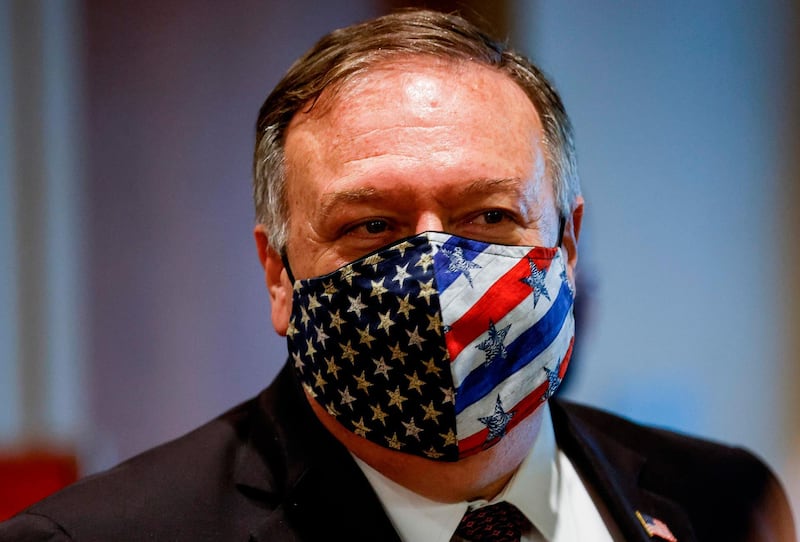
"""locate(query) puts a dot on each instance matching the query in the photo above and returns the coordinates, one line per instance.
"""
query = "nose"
(429, 221)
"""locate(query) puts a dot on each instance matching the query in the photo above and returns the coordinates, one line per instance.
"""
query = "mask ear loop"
(562, 223)
(286, 265)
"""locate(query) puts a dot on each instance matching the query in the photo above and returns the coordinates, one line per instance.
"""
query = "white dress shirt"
(546, 488)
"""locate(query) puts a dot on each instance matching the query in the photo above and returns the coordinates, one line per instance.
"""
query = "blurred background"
(132, 303)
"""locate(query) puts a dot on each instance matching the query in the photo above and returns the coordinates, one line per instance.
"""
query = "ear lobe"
(572, 230)
(276, 279)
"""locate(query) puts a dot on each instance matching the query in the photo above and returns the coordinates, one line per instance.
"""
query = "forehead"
(451, 103)
(403, 76)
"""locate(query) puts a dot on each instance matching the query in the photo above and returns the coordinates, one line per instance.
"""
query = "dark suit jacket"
(268, 471)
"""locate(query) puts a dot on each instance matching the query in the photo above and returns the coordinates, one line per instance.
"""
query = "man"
(418, 217)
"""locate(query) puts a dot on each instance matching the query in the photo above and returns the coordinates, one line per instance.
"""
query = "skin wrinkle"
(404, 141)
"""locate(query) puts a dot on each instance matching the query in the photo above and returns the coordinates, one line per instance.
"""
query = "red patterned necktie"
(501, 522)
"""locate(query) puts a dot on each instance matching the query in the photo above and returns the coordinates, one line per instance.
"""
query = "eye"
(376, 226)
(493, 225)
(493, 217)
(370, 227)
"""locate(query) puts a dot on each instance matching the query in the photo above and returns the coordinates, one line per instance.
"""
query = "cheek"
(309, 258)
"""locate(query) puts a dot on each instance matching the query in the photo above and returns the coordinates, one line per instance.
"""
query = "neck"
(480, 476)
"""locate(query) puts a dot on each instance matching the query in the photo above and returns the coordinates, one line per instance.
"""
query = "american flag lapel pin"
(655, 527)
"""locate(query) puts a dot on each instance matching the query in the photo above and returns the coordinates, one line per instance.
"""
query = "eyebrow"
(329, 203)
(522, 191)
(485, 186)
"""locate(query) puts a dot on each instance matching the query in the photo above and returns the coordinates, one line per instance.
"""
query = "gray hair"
(348, 52)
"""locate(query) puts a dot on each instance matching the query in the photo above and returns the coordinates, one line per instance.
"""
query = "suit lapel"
(308, 484)
(615, 471)
(335, 502)
(314, 510)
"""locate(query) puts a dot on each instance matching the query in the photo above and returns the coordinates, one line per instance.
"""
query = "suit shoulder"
(28, 527)
(710, 480)
(664, 445)
(152, 495)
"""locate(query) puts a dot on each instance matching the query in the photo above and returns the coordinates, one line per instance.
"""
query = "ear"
(572, 230)
(277, 280)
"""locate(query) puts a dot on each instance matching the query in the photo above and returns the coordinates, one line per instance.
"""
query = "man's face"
(412, 146)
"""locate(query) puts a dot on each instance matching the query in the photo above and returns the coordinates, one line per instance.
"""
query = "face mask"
(436, 345)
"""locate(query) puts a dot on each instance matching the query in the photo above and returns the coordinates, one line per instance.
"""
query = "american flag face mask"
(435, 345)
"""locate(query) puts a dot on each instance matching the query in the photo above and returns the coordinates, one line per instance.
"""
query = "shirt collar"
(534, 489)
(416, 518)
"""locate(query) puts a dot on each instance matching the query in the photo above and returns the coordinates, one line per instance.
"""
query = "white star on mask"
(536, 281)
(497, 422)
(459, 264)
(493, 345)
